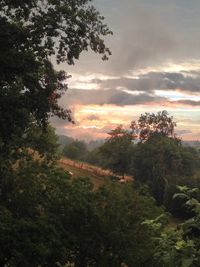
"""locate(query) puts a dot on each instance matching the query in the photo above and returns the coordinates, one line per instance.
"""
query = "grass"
(97, 180)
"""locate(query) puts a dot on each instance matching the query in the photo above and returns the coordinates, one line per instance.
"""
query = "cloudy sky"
(155, 65)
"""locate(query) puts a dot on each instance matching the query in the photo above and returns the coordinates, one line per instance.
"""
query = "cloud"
(183, 132)
(92, 117)
(146, 33)
(86, 133)
(186, 82)
(187, 103)
(58, 123)
(142, 37)
(109, 97)
(155, 50)
(143, 91)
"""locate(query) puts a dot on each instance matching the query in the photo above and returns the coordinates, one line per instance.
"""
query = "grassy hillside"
(97, 175)
(96, 178)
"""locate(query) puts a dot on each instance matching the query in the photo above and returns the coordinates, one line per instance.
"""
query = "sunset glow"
(154, 66)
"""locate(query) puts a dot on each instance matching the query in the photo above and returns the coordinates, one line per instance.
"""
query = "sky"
(155, 65)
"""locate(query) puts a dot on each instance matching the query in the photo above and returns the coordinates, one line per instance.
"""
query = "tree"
(150, 124)
(75, 150)
(105, 225)
(94, 157)
(116, 151)
(31, 204)
(43, 142)
(124, 240)
(159, 161)
(31, 33)
(64, 140)
(178, 246)
(172, 248)
(160, 158)
(48, 219)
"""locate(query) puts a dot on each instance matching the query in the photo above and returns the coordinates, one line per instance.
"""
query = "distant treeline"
(64, 140)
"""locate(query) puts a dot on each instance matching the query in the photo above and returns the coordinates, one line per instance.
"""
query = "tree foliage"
(116, 151)
(31, 33)
(48, 219)
(75, 150)
(150, 124)
(179, 246)
(160, 160)
(43, 142)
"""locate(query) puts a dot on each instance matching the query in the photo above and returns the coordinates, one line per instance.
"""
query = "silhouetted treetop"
(150, 124)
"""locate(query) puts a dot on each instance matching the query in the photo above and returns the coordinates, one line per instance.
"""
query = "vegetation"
(179, 246)
(48, 217)
(165, 159)
(31, 32)
(116, 151)
(75, 150)
(149, 125)
(159, 159)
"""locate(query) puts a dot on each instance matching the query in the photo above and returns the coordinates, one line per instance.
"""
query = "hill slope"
(97, 175)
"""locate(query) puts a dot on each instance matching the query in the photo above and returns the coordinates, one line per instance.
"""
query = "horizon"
(100, 140)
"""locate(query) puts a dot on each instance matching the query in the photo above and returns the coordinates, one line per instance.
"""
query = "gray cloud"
(182, 132)
(92, 117)
(118, 91)
(122, 98)
(58, 123)
(142, 37)
(146, 33)
(185, 82)
(188, 103)
(108, 97)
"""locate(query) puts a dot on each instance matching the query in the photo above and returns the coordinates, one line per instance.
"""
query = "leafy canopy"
(150, 124)
(75, 150)
(48, 219)
(116, 151)
(31, 34)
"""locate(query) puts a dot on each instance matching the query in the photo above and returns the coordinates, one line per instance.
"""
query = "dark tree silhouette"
(31, 33)
(153, 124)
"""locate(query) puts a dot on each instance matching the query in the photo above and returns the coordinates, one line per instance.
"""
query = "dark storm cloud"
(185, 82)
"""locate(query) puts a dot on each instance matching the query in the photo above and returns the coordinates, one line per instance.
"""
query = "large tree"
(150, 124)
(117, 150)
(159, 161)
(31, 32)
(160, 157)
